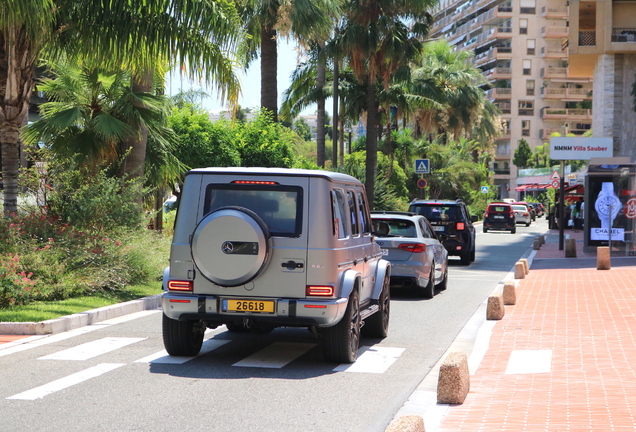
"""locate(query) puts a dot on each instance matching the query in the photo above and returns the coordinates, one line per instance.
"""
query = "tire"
(485, 230)
(429, 290)
(182, 338)
(528, 224)
(465, 258)
(513, 231)
(377, 325)
(444, 283)
(472, 254)
(341, 342)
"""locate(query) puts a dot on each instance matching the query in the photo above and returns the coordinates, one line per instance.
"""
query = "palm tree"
(366, 36)
(266, 20)
(198, 33)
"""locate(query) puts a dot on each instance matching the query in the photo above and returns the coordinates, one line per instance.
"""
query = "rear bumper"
(293, 312)
(499, 225)
(452, 244)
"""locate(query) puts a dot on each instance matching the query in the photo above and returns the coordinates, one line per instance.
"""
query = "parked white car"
(522, 214)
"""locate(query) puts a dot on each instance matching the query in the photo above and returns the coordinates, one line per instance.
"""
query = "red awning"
(533, 187)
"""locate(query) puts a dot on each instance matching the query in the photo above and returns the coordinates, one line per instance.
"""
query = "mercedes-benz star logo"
(227, 247)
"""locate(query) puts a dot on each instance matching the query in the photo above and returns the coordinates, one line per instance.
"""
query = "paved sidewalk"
(564, 357)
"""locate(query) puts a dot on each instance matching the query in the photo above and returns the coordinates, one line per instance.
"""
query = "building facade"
(521, 47)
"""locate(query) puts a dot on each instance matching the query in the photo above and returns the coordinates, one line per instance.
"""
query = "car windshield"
(438, 213)
(280, 207)
(399, 228)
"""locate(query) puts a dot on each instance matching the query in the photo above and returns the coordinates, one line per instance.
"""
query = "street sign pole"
(561, 208)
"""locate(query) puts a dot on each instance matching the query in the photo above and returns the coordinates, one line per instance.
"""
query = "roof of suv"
(330, 175)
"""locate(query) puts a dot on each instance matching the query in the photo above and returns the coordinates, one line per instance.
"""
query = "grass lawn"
(45, 310)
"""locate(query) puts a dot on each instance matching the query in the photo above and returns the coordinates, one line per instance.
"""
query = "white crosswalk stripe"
(276, 355)
(162, 356)
(62, 383)
(372, 360)
(92, 349)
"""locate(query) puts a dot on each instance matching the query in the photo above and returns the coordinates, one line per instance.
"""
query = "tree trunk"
(136, 144)
(16, 85)
(372, 139)
(335, 134)
(320, 118)
(269, 71)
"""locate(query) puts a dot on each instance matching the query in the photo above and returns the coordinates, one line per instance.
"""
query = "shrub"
(16, 286)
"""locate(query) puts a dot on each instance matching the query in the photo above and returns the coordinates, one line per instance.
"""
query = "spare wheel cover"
(230, 246)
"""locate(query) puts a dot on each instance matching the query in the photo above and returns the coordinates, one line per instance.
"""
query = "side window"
(365, 223)
(426, 232)
(339, 213)
(353, 213)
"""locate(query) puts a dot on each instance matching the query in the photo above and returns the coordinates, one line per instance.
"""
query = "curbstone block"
(454, 379)
(495, 307)
(603, 258)
(520, 271)
(570, 248)
(509, 293)
(537, 244)
(526, 266)
(410, 423)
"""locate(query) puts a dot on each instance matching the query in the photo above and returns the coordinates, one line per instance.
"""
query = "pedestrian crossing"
(277, 355)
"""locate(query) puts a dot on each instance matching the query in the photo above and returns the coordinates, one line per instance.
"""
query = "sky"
(250, 82)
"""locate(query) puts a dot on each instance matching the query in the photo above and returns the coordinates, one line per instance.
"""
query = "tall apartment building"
(521, 47)
(602, 41)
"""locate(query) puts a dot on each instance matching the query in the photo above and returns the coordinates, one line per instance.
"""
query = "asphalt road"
(113, 376)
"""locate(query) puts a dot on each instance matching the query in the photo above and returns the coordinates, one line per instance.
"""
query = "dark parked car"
(452, 219)
(500, 216)
(538, 208)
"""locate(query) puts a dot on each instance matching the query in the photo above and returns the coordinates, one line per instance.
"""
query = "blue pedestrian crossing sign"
(484, 189)
(422, 166)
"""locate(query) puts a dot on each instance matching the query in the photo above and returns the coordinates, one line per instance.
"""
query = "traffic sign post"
(422, 166)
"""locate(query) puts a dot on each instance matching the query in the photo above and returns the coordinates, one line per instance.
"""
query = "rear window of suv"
(280, 207)
(438, 213)
(498, 208)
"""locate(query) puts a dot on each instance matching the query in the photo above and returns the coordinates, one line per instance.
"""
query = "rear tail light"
(255, 182)
(460, 226)
(177, 285)
(319, 291)
(413, 247)
(525, 213)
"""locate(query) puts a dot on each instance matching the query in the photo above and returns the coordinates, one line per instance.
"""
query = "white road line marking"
(52, 339)
(529, 361)
(372, 360)
(62, 383)
(276, 355)
(162, 356)
(92, 349)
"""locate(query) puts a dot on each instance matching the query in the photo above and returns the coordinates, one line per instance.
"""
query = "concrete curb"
(71, 322)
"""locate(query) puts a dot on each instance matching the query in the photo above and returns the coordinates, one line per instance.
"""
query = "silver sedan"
(522, 214)
(418, 258)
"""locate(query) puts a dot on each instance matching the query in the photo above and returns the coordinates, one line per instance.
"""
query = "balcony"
(554, 32)
(587, 38)
(497, 53)
(498, 73)
(505, 108)
(555, 12)
(554, 52)
(566, 114)
(553, 93)
(494, 34)
(499, 93)
(621, 34)
(554, 72)
(566, 93)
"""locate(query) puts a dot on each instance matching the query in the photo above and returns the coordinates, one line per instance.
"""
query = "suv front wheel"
(341, 342)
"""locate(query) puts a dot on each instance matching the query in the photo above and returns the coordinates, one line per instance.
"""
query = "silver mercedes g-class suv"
(259, 248)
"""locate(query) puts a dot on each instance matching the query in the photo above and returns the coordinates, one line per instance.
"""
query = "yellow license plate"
(247, 306)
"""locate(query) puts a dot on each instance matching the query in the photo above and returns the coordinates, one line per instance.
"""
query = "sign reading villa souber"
(579, 148)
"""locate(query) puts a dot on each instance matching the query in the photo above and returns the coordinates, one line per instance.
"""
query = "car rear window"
(438, 213)
(498, 208)
(280, 207)
(399, 228)
(520, 207)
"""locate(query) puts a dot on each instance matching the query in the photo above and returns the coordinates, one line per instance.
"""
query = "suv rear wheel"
(341, 342)
(182, 338)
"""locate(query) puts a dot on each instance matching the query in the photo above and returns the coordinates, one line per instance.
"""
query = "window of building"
(523, 26)
(525, 127)
(530, 46)
(529, 87)
(526, 108)
(527, 67)
(528, 7)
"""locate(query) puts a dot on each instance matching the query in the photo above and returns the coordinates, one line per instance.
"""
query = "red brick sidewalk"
(586, 320)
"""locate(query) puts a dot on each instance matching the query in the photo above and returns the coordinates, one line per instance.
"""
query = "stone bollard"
(454, 379)
(410, 423)
(495, 307)
(537, 243)
(520, 271)
(526, 266)
(509, 293)
(570, 248)
(603, 259)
